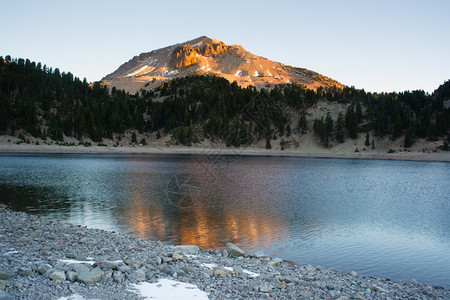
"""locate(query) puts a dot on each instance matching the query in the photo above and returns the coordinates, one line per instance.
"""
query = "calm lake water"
(379, 218)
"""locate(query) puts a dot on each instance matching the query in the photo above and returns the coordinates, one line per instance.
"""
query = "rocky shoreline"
(45, 259)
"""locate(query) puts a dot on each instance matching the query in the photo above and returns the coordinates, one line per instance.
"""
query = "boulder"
(109, 265)
(138, 275)
(42, 269)
(91, 277)
(235, 250)
(80, 268)
(71, 276)
(58, 275)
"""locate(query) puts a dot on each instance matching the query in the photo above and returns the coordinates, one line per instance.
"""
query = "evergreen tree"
(367, 143)
(409, 137)
(268, 146)
(340, 128)
(133, 138)
(351, 120)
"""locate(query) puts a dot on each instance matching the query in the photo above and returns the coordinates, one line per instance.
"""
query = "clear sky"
(383, 45)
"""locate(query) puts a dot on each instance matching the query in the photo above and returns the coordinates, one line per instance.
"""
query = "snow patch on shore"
(73, 261)
(74, 297)
(169, 289)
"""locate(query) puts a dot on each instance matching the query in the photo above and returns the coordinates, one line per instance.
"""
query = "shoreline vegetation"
(42, 258)
(10, 144)
(44, 106)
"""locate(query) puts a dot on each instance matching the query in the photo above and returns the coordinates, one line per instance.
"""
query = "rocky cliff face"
(184, 56)
(209, 56)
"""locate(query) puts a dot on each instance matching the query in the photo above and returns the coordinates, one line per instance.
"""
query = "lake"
(378, 218)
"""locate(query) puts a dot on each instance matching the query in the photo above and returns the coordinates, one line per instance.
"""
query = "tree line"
(48, 103)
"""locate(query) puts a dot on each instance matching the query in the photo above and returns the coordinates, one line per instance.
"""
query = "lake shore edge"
(49, 259)
(220, 151)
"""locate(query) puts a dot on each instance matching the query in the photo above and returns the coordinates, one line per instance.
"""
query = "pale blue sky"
(381, 45)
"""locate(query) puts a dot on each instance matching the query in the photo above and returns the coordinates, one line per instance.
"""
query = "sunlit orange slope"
(206, 55)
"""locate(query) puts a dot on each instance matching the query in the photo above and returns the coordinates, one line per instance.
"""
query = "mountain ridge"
(208, 56)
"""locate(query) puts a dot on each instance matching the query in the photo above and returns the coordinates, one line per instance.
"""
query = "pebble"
(5, 296)
(24, 271)
(122, 260)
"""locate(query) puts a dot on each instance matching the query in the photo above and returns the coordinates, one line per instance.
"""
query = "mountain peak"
(201, 40)
(206, 55)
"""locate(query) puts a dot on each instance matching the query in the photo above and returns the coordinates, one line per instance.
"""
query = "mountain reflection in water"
(379, 218)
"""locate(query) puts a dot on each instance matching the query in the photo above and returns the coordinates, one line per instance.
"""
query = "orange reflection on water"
(145, 220)
(209, 223)
(206, 229)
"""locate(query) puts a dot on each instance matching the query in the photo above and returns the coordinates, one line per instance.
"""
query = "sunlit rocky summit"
(208, 56)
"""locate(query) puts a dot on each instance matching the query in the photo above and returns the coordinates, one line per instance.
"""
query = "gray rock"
(306, 294)
(353, 273)
(24, 239)
(282, 285)
(58, 275)
(265, 288)
(158, 260)
(124, 268)
(71, 276)
(24, 271)
(238, 269)
(97, 274)
(225, 253)
(117, 276)
(275, 262)
(176, 255)
(167, 260)
(109, 265)
(188, 269)
(4, 276)
(129, 261)
(166, 269)
(219, 272)
(288, 279)
(42, 269)
(5, 296)
(107, 275)
(235, 250)
(80, 268)
(138, 275)
(187, 248)
(90, 277)
(260, 254)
